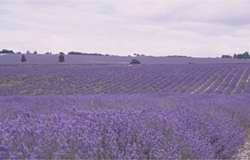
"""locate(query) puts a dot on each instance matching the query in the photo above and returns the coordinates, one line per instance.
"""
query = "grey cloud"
(198, 28)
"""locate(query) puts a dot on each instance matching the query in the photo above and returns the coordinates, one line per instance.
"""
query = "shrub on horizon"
(48, 53)
(28, 52)
(135, 61)
(61, 57)
(23, 58)
(226, 56)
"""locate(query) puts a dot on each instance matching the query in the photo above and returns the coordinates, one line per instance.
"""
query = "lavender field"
(151, 111)
(167, 79)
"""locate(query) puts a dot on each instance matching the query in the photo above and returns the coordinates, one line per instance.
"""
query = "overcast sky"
(201, 28)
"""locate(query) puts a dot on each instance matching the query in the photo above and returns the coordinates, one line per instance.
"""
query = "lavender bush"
(106, 127)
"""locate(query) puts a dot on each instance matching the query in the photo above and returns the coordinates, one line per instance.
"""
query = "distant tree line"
(7, 51)
(85, 54)
(24, 58)
(244, 55)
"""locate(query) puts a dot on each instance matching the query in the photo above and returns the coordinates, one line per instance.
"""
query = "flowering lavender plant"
(106, 127)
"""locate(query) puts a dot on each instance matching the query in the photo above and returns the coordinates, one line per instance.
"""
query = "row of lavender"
(108, 79)
(122, 127)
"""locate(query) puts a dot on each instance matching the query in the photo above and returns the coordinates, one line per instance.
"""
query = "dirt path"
(244, 153)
